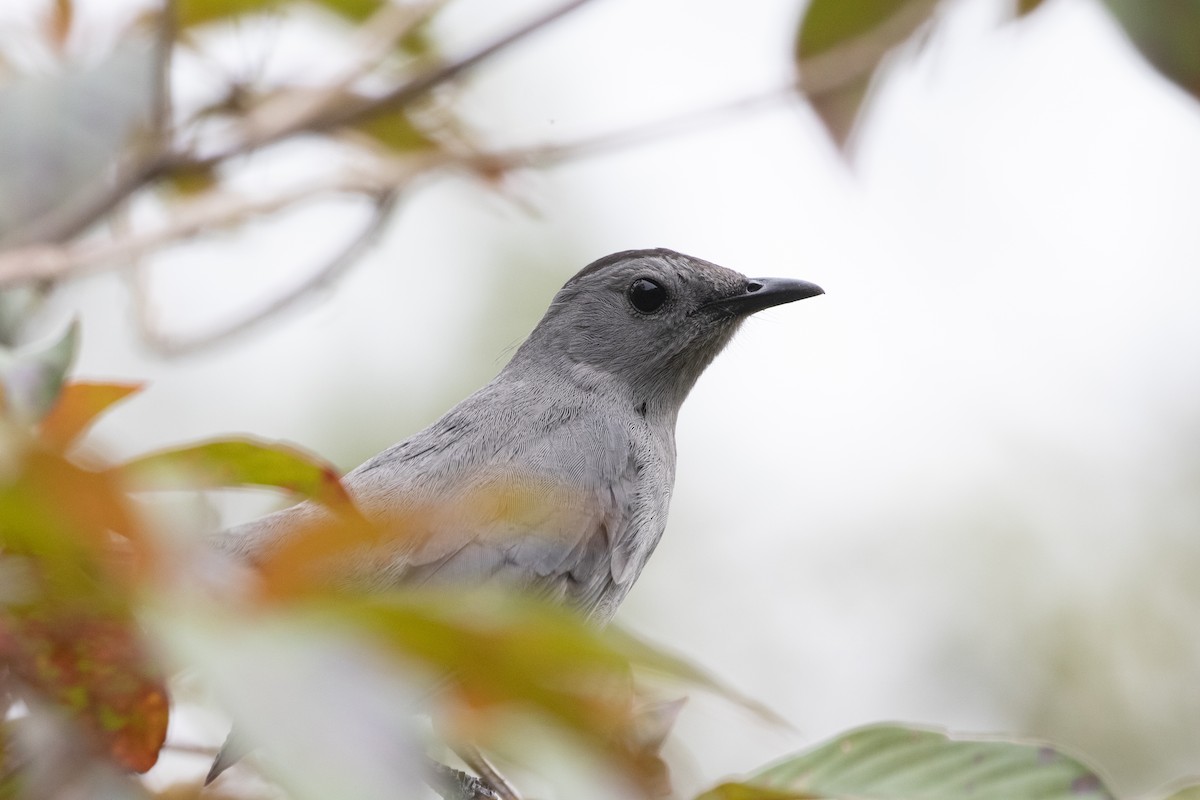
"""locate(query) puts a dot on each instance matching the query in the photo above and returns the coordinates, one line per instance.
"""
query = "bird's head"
(651, 319)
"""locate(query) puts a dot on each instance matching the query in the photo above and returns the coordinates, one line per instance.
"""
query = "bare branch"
(601, 144)
(157, 160)
(167, 345)
(164, 44)
(58, 262)
(74, 218)
(290, 113)
(263, 132)
(51, 262)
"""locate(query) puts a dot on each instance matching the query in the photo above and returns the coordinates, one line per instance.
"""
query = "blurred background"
(963, 488)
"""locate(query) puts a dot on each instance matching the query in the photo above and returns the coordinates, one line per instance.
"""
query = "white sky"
(878, 489)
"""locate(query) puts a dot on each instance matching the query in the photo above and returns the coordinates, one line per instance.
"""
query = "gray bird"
(580, 425)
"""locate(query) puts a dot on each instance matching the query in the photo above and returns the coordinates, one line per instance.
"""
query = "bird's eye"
(646, 295)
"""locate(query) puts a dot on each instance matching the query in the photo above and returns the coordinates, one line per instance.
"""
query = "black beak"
(763, 293)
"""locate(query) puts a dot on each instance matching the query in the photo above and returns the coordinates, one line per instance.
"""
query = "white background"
(958, 489)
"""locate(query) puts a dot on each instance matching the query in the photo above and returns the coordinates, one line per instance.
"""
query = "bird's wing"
(566, 514)
(559, 517)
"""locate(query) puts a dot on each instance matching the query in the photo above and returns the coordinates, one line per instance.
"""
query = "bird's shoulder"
(514, 425)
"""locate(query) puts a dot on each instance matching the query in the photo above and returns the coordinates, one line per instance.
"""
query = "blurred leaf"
(502, 652)
(241, 462)
(198, 12)
(395, 130)
(1167, 32)
(61, 134)
(32, 377)
(191, 181)
(57, 23)
(664, 663)
(745, 791)
(418, 42)
(70, 549)
(64, 516)
(309, 558)
(1025, 7)
(889, 762)
(839, 46)
(78, 406)
(18, 305)
(1186, 793)
(325, 549)
(356, 10)
(333, 717)
(652, 725)
(92, 666)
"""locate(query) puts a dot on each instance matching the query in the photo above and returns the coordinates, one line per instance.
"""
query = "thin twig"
(333, 268)
(329, 116)
(55, 263)
(156, 161)
(164, 42)
(418, 86)
(286, 113)
(48, 262)
(603, 143)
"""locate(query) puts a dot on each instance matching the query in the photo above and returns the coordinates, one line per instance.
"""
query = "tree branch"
(334, 267)
(327, 116)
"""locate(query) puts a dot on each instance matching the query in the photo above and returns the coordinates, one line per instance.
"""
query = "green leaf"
(1167, 33)
(502, 651)
(840, 45)
(356, 10)
(77, 408)
(1186, 793)
(32, 378)
(395, 130)
(1025, 7)
(744, 791)
(242, 462)
(890, 762)
(199, 12)
(93, 665)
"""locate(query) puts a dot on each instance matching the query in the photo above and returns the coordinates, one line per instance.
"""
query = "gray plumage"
(556, 476)
(579, 427)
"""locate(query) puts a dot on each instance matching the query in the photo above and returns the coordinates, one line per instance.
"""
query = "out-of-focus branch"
(158, 159)
(167, 344)
(296, 112)
(164, 41)
(52, 262)
(264, 130)
(332, 107)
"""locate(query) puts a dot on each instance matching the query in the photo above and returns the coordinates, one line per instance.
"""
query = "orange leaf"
(310, 558)
(65, 516)
(77, 407)
(58, 23)
(93, 666)
(242, 462)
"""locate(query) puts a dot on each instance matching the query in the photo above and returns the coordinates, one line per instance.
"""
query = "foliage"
(102, 602)
(843, 46)
(98, 607)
